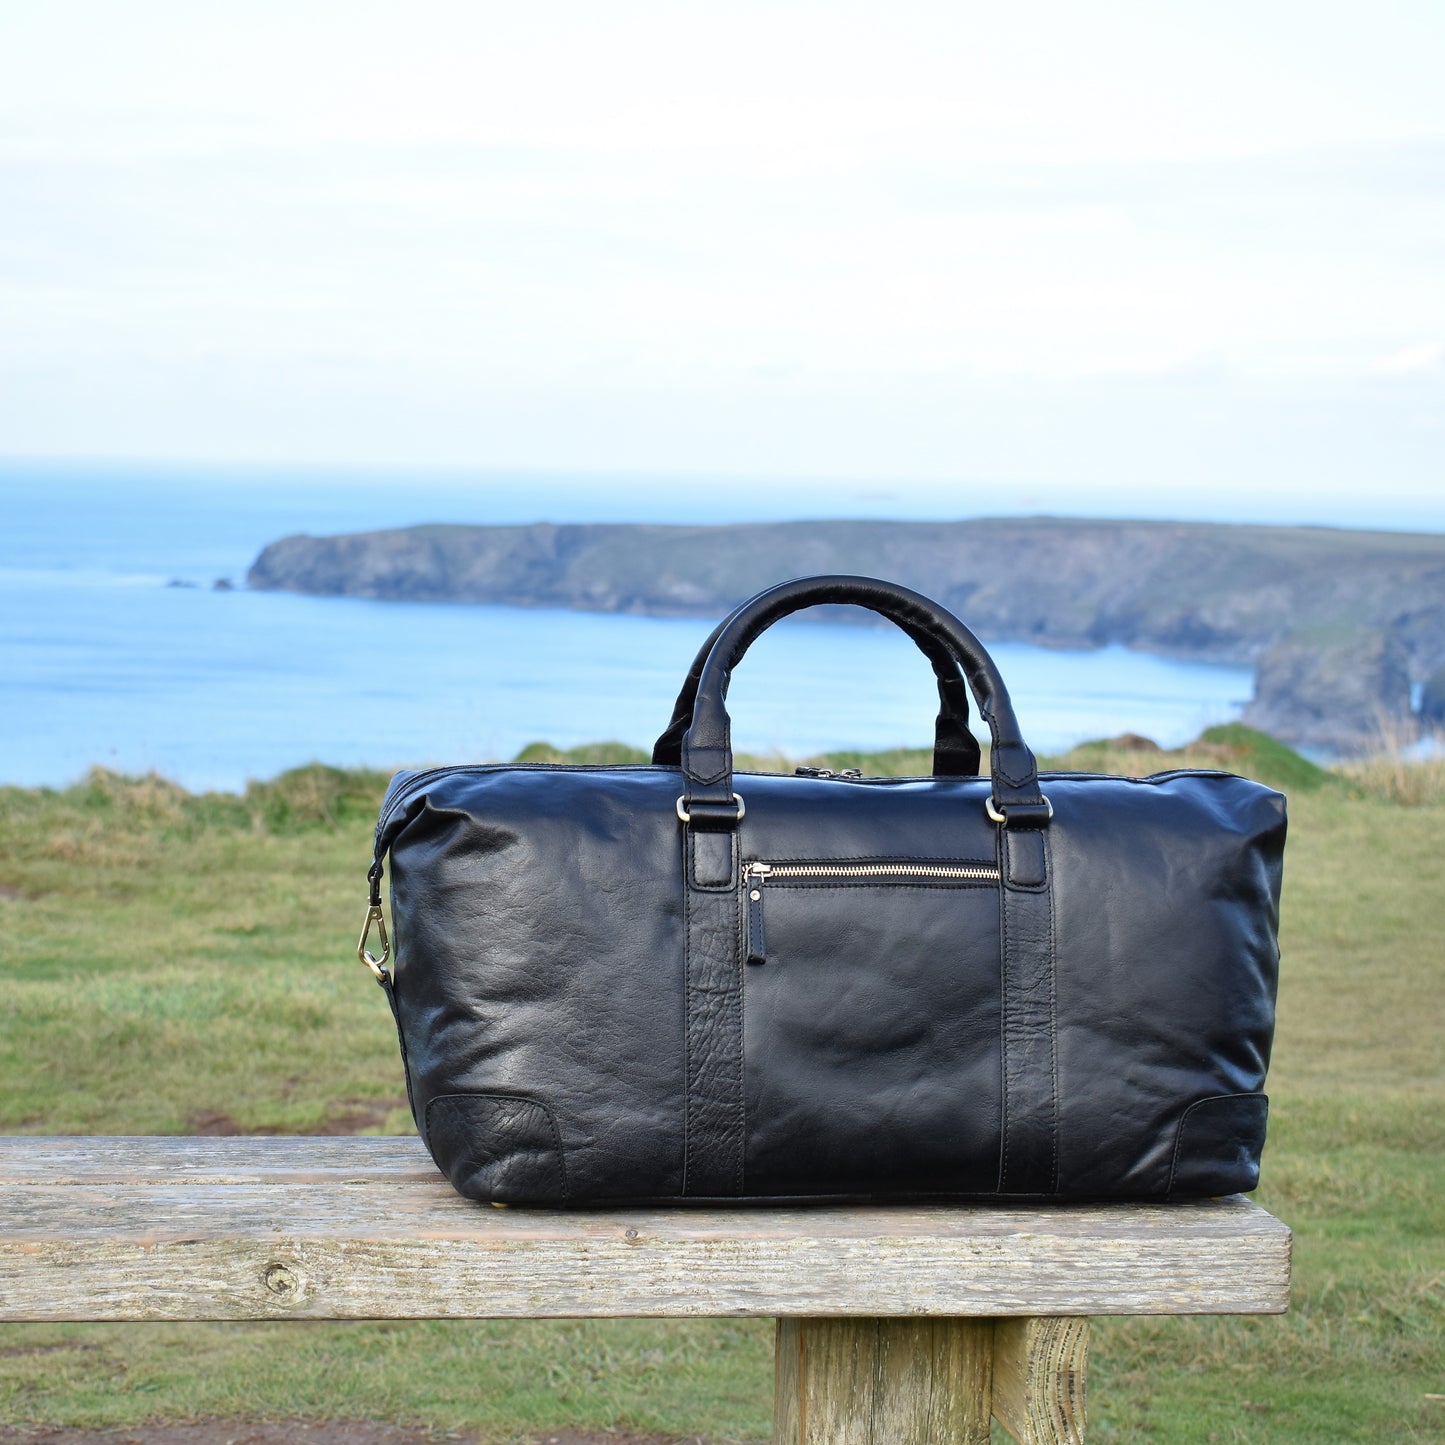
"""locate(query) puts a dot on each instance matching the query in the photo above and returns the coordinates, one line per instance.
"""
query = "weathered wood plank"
(365, 1228)
(242, 1159)
(1039, 1372)
(860, 1381)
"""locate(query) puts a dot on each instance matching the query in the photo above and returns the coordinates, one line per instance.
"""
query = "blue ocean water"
(102, 662)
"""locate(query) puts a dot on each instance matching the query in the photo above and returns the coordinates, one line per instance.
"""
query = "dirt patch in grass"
(15, 1352)
(354, 1116)
(227, 1432)
(300, 1432)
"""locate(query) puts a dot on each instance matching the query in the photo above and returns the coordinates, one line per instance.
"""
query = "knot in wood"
(284, 1281)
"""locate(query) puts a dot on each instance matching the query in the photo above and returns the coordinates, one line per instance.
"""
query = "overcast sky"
(1033, 251)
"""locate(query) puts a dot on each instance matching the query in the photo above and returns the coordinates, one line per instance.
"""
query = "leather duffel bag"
(676, 982)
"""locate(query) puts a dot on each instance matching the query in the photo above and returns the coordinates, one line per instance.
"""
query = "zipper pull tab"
(753, 882)
(806, 772)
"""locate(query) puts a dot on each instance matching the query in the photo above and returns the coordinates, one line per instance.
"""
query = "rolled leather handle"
(956, 753)
(706, 752)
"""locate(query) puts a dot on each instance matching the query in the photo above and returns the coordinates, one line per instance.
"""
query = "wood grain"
(1039, 1370)
(861, 1381)
(365, 1228)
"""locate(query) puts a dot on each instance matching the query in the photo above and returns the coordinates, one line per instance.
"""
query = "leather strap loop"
(715, 1119)
(1028, 1143)
(706, 748)
(956, 753)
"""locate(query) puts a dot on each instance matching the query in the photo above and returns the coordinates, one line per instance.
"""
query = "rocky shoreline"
(1343, 628)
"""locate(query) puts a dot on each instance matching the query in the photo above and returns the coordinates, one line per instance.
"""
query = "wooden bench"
(894, 1324)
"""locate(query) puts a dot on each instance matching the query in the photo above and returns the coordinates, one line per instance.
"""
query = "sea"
(119, 649)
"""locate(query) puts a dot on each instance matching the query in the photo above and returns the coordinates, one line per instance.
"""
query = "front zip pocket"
(758, 875)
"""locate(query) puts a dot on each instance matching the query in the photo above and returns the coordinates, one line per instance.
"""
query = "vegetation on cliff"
(1340, 623)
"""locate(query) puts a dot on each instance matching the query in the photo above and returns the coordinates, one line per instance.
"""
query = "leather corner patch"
(497, 1147)
(1217, 1147)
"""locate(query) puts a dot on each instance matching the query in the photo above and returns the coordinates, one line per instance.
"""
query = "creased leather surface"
(541, 929)
(714, 1108)
(497, 1147)
(1166, 900)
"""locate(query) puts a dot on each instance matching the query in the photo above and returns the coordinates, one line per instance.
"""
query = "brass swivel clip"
(375, 919)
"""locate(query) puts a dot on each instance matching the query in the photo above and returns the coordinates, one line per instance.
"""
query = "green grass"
(172, 959)
(509, 1379)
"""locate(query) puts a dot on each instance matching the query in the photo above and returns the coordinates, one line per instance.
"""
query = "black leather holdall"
(677, 982)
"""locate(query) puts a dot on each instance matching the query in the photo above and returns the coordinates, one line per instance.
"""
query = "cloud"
(406, 219)
(1422, 356)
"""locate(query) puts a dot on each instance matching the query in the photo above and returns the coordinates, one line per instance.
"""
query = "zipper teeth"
(879, 870)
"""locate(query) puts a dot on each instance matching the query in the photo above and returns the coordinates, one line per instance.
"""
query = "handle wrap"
(956, 753)
(706, 748)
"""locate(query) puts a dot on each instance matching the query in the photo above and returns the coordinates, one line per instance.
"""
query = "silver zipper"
(756, 875)
(965, 872)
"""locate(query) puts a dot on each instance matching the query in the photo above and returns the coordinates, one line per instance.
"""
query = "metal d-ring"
(687, 817)
(998, 815)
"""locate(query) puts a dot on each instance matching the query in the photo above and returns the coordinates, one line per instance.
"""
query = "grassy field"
(179, 963)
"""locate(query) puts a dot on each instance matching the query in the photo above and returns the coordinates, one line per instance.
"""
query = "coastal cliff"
(1339, 624)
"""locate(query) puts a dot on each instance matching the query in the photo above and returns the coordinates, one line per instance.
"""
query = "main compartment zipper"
(757, 875)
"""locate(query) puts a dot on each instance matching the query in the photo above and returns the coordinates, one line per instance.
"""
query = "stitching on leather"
(735, 1031)
(1053, 1024)
(1009, 1041)
(556, 1140)
(728, 1135)
(1004, 1012)
(1002, 754)
(740, 976)
(512, 1099)
(1006, 874)
(1184, 1119)
(401, 1040)
(1179, 1133)
(692, 880)
(687, 1031)
(716, 777)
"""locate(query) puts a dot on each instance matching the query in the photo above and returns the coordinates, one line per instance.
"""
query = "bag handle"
(956, 752)
(708, 801)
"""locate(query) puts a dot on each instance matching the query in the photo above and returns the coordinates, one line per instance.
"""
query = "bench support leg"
(1039, 1379)
(904, 1381)
(929, 1381)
